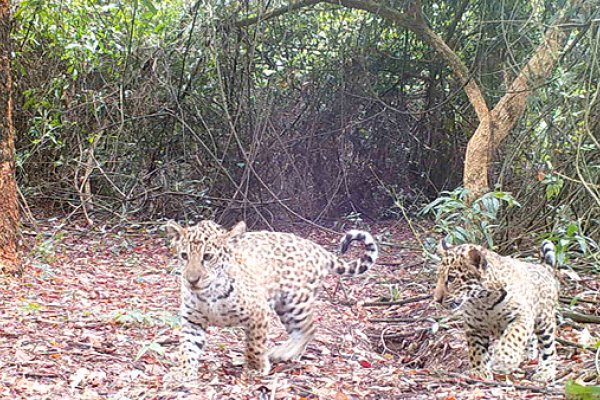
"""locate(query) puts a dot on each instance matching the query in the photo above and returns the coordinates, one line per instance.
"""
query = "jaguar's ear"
(443, 247)
(237, 229)
(174, 230)
(477, 258)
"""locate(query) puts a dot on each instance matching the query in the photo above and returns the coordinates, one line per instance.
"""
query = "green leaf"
(150, 346)
(463, 234)
(572, 229)
(575, 391)
(150, 6)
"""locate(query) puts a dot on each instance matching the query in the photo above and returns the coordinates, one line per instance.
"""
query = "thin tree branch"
(413, 20)
(275, 13)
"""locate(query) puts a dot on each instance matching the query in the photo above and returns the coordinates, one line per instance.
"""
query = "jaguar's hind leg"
(296, 314)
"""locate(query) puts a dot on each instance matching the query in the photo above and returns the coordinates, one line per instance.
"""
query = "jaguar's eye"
(183, 255)
(451, 278)
(207, 257)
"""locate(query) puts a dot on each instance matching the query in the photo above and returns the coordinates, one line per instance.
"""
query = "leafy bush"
(575, 391)
(570, 239)
(462, 222)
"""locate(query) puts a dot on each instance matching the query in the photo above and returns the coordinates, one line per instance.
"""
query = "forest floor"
(95, 317)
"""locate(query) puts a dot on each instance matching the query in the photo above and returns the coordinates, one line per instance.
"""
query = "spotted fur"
(232, 278)
(503, 298)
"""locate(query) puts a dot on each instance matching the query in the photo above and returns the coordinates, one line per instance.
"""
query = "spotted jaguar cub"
(504, 298)
(233, 278)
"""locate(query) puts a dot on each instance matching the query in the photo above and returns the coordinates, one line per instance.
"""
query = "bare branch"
(413, 20)
(276, 13)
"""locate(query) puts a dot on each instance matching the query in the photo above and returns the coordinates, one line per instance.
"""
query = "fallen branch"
(583, 318)
(41, 375)
(303, 390)
(569, 300)
(565, 342)
(590, 268)
(396, 320)
(398, 303)
(401, 262)
(459, 378)
(399, 335)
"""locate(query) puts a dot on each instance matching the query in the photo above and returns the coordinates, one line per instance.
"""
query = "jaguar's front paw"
(261, 364)
(480, 372)
(544, 374)
(505, 364)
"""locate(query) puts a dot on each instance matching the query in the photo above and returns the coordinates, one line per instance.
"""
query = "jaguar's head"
(202, 248)
(459, 274)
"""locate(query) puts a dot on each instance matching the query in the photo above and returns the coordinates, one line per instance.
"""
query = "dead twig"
(399, 335)
(41, 375)
(401, 262)
(569, 300)
(446, 321)
(565, 342)
(399, 302)
(583, 318)
(397, 320)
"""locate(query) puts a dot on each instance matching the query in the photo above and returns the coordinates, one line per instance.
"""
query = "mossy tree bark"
(10, 262)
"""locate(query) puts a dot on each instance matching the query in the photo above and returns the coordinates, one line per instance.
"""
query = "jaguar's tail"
(548, 253)
(363, 264)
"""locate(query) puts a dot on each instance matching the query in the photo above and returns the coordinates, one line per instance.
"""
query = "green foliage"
(575, 391)
(394, 292)
(464, 223)
(92, 35)
(570, 239)
(150, 346)
(554, 184)
(46, 247)
(31, 308)
(166, 107)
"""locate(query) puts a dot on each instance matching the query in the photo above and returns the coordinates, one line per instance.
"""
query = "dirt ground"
(95, 317)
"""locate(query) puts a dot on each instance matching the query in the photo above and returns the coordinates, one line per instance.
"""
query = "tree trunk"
(495, 125)
(494, 128)
(9, 210)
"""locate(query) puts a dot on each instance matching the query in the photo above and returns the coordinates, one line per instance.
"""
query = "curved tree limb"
(413, 20)
(494, 125)
(507, 112)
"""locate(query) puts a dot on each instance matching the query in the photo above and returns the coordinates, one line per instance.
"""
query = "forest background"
(474, 120)
(314, 111)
